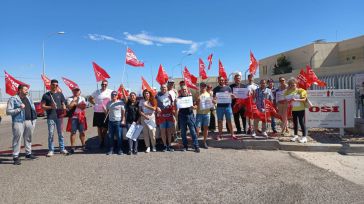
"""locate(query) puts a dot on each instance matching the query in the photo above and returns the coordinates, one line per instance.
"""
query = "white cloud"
(98, 37)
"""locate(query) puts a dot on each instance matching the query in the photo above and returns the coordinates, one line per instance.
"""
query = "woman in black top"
(132, 115)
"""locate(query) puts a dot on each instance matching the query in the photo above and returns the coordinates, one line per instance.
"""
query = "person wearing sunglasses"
(99, 99)
(281, 104)
(54, 103)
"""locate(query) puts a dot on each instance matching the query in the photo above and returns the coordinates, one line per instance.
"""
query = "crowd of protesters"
(157, 114)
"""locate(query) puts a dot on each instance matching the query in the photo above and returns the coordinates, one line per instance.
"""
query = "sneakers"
(303, 139)
(30, 156)
(50, 153)
(16, 161)
(154, 149)
(64, 152)
(254, 134)
(170, 149)
(120, 152)
(109, 153)
(72, 151)
(265, 134)
(295, 137)
(205, 145)
(129, 153)
(185, 149)
(197, 150)
(164, 149)
(135, 152)
(148, 150)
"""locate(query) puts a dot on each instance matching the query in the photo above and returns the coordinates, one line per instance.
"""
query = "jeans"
(52, 124)
(133, 145)
(188, 120)
(115, 128)
(237, 117)
(273, 123)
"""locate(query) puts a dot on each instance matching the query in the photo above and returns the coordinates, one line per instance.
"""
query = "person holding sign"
(239, 87)
(273, 90)
(132, 115)
(252, 87)
(116, 111)
(147, 108)
(281, 104)
(222, 97)
(165, 120)
(187, 119)
(204, 104)
(296, 97)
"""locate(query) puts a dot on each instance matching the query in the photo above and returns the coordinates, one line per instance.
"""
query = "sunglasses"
(54, 84)
(103, 84)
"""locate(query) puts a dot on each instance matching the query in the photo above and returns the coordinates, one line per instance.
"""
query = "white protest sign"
(206, 102)
(241, 92)
(331, 108)
(184, 102)
(223, 97)
(134, 131)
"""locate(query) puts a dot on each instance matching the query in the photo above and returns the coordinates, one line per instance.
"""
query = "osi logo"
(324, 109)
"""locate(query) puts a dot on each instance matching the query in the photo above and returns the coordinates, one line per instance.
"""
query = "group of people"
(156, 113)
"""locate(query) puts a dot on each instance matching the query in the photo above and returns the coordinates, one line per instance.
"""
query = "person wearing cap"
(240, 113)
(54, 103)
(99, 99)
(203, 115)
(76, 118)
(165, 118)
(23, 116)
(115, 109)
(273, 90)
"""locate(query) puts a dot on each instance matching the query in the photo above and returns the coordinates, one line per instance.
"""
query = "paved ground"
(213, 176)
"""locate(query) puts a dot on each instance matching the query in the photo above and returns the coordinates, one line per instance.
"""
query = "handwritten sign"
(206, 102)
(223, 97)
(241, 92)
(184, 102)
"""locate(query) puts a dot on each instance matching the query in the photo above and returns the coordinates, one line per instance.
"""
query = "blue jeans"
(188, 120)
(53, 124)
(273, 123)
(115, 128)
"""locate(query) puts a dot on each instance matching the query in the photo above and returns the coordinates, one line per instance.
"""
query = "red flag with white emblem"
(189, 79)
(222, 70)
(71, 84)
(312, 77)
(100, 73)
(253, 64)
(201, 66)
(145, 85)
(47, 83)
(132, 60)
(11, 84)
(209, 58)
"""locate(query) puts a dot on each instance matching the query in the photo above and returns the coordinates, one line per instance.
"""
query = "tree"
(282, 66)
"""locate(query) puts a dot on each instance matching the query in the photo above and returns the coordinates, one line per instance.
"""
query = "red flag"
(162, 76)
(252, 110)
(132, 60)
(312, 77)
(11, 84)
(209, 58)
(201, 66)
(120, 92)
(145, 85)
(302, 81)
(222, 70)
(47, 83)
(100, 73)
(271, 110)
(253, 64)
(71, 84)
(189, 79)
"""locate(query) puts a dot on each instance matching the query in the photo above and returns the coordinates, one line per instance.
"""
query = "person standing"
(281, 104)
(77, 118)
(54, 103)
(173, 92)
(273, 90)
(223, 109)
(147, 109)
(23, 115)
(132, 115)
(252, 87)
(187, 119)
(116, 111)
(261, 94)
(165, 112)
(203, 115)
(99, 99)
(212, 124)
(241, 112)
(296, 97)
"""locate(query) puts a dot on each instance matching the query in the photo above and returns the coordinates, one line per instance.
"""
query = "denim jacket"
(18, 114)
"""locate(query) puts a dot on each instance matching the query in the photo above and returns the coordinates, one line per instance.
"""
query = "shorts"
(166, 124)
(98, 120)
(76, 125)
(221, 111)
(202, 120)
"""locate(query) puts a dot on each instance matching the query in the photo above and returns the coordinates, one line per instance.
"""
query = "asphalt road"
(213, 176)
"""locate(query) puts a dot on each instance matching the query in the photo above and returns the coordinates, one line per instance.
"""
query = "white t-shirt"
(173, 94)
(145, 109)
(101, 99)
(80, 100)
(252, 87)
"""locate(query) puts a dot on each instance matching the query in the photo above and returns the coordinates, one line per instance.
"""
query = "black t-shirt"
(219, 89)
(132, 112)
(27, 109)
(232, 86)
(185, 111)
(58, 99)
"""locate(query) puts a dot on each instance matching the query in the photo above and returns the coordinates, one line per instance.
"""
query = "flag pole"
(122, 77)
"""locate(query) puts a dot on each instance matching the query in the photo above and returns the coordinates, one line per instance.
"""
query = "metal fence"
(34, 95)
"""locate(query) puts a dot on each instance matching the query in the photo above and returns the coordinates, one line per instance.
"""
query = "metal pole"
(122, 77)
(44, 88)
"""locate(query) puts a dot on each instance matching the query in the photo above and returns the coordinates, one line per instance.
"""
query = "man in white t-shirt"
(76, 106)
(173, 93)
(99, 99)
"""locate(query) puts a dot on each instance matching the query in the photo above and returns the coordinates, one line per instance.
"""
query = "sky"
(159, 32)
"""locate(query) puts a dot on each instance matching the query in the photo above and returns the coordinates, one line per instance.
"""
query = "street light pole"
(180, 63)
(43, 58)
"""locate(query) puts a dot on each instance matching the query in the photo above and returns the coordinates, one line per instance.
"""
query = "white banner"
(241, 92)
(331, 108)
(223, 97)
(184, 102)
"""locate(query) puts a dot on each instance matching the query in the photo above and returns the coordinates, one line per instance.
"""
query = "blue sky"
(160, 32)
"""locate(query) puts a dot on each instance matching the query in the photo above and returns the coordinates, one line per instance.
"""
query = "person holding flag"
(99, 99)
(240, 113)
(54, 103)
(23, 115)
(252, 87)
